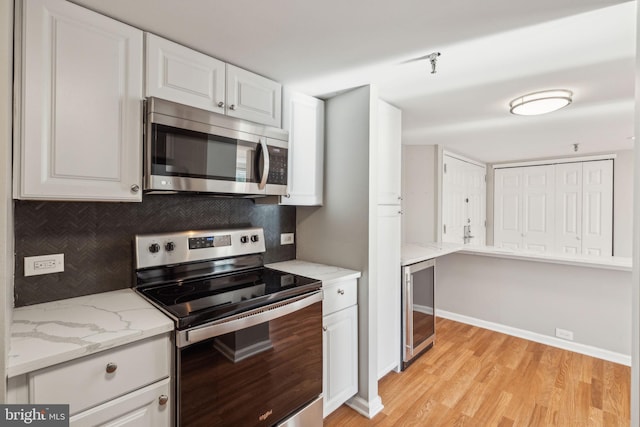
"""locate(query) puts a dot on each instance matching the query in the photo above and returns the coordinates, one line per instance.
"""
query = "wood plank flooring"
(477, 377)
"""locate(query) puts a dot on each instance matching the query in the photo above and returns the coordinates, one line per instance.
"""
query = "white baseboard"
(588, 350)
(395, 367)
(368, 409)
(423, 309)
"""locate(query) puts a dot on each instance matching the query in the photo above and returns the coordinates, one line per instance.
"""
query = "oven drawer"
(338, 296)
(92, 380)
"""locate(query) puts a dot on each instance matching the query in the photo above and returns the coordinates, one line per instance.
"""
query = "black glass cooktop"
(199, 301)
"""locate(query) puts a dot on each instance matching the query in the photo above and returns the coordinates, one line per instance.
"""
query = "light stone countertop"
(607, 263)
(416, 252)
(46, 334)
(327, 273)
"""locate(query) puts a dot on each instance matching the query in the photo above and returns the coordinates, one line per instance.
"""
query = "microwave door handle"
(265, 169)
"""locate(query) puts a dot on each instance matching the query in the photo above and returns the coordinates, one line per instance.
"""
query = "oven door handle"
(247, 319)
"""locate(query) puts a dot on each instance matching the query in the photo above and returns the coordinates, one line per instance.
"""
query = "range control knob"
(255, 238)
(244, 239)
(154, 248)
(170, 246)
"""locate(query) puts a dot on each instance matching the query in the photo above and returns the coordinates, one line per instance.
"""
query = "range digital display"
(209, 242)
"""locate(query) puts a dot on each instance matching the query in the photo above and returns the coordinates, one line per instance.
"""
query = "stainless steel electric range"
(248, 338)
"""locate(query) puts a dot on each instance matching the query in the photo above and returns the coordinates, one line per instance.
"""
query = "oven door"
(253, 369)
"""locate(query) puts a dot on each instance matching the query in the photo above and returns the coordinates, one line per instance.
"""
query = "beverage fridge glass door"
(418, 309)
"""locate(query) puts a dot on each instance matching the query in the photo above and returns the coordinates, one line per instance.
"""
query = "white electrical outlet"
(564, 334)
(43, 264)
(286, 238)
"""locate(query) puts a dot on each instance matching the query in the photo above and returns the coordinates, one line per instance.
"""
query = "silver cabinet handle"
(135, 188)
(341, 291)
(399, 197)
(232, 107)
(221, 104)
(400, 212)
(111, 367)
(324, 328)
(163, 399)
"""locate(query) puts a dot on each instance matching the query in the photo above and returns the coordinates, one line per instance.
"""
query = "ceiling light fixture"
(542, 102)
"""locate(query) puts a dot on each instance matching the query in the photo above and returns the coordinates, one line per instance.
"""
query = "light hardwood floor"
(477, 377)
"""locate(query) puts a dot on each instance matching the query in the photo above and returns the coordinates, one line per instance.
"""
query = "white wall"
(419, 197)
(539, 297)
(6, 203)
(623, 203)
(343, 232)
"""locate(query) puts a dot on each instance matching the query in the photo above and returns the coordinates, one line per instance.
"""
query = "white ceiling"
(492, 51)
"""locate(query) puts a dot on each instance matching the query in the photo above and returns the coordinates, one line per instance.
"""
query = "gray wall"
(539, 297)
(340, 232)
(419, 193)
(96, 238)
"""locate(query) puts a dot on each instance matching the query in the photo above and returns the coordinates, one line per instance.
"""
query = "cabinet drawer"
(85, 382)
(340, 295)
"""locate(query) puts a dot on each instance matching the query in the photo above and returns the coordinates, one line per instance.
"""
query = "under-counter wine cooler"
(418, 310)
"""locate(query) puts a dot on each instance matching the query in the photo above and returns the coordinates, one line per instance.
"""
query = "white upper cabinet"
(303, 117)
(79, 94)
(253, 97)
(177, 73)
(180, 74)
(389, 154)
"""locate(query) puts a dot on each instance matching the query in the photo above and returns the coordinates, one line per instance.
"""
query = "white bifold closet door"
(564, 208)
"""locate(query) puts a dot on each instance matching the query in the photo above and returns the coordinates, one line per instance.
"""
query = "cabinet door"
(304, 119)
(507, 208)
(253, 97)
(568, 208)
(389, 154)
(150, 406)
(538, 225)
(340, 358)
(388, 285)
(597, 208)
(80, 128)
(476, 205)
(180, 74)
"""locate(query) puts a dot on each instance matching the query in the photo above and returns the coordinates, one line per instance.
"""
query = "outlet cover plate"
(564, 334)
(43, 264)
(286, 238)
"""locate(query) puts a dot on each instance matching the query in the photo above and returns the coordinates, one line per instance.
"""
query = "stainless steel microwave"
(194, 150)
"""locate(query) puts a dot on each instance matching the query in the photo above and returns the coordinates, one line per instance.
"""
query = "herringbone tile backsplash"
(96, 238)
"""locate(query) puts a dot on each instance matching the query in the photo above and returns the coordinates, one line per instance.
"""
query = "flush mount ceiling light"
(541, 102)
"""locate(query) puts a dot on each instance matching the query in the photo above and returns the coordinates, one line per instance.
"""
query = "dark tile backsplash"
(96, 238)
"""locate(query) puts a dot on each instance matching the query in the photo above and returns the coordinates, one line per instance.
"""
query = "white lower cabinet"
(339, 344)
(142, 408)
(128, 385)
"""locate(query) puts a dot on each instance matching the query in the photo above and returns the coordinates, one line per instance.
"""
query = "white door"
(538, 225)
(476, 205)
(508, 208)
(389, 154)
(463, 200)
(597, 208)
(454, 195)
(340, 354)
(388, 284)
(81, 96)
(253, 97)
(304, 119)
(568, 206)
(177, 73)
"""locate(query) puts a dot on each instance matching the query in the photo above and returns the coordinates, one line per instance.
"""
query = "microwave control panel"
(277, 165)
